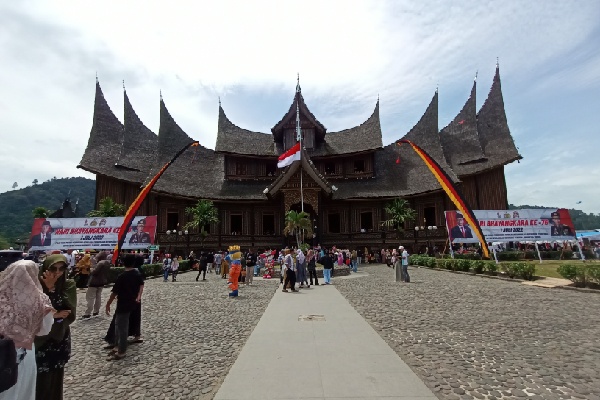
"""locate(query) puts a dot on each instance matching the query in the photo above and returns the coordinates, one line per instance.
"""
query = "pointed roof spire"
(460, 140)
(123, 84)
(476, 72)
(298, 90)
(139, 142)
(97, 77)
(492, 127)
(106, 136)
(425, 134)
(219, 101)
(160, 94)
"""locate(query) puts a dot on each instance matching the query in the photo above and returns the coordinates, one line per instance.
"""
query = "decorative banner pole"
(140, 199)
(452, 192)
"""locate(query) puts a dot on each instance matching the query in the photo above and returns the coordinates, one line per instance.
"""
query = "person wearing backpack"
(26, 311)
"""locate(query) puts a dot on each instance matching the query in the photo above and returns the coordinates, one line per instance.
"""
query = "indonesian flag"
(289, 156)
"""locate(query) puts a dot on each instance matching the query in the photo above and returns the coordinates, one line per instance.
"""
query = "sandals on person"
(134, 341)
(115, 357)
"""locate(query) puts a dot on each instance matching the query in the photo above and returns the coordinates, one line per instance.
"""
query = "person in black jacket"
(327, 262)
(312, 266)
(203, 265)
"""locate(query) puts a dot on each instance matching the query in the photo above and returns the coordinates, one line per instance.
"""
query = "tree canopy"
(202, 214)
(297, 224)
(398, 212)
(108, 208)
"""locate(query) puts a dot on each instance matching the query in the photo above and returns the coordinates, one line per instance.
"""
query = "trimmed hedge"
(150, 270)
(518, 270)
(512, 269)
(580, 275)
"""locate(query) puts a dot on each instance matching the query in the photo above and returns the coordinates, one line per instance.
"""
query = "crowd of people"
(37, 307)
(39, 303)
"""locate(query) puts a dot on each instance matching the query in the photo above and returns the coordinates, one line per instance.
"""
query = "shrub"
(566, 255)
(413, 259)
(509, 255)
(184, 265)
(578, 274)
(463, 265)
(448, 264)
(490, 267)
(527, 271)
(589, 255)
(477, 266)
(430, 262)
(469, 256)
(568, 271)
(593, 274)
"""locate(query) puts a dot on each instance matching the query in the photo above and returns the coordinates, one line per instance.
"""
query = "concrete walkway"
(335, 354)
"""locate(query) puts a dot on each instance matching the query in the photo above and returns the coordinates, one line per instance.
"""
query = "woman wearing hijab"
(25, 311)
(52, 351)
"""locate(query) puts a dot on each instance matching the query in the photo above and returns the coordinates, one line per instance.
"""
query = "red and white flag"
(293, 154)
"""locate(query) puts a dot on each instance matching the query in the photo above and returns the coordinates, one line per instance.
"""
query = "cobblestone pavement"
(192, 336)
(470, 337)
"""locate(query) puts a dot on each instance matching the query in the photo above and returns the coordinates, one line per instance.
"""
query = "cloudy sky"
(348, 53)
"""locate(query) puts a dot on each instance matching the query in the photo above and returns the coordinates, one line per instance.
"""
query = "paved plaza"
(465, 336)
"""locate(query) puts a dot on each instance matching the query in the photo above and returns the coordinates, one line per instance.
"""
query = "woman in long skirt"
(53, 351)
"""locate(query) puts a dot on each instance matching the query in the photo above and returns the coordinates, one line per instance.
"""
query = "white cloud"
(347, 53)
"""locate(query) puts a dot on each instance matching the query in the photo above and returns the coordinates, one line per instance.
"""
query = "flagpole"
(299, 138)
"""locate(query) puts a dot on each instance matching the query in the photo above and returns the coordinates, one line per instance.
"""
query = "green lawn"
(548, 267)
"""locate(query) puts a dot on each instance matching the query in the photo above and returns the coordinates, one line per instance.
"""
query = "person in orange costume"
(235, 268)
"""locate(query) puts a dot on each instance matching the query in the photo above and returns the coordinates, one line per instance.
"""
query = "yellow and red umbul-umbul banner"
(452, 192)
(140, 199)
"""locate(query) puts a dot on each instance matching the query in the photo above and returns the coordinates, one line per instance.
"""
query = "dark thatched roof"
(307, 165)
(140, 144)
(364, 137)
(425, 135)
(471, 143)
(233, 139)
(298, 103)
(104, 144)
(492, 126)
(460, 139)
(399, 171)
(408, 177)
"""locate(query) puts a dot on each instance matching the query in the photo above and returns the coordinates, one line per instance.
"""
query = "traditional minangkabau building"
(348, 176)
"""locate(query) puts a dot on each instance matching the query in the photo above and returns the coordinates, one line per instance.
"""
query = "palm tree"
(297, 223)
(203, 214)
(41, 212)
(398, 212)
(108, 208)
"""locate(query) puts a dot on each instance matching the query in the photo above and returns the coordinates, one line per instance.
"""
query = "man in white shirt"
(290, 272)
(404, 277)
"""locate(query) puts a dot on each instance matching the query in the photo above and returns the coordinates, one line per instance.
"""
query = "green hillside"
(16, 205)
